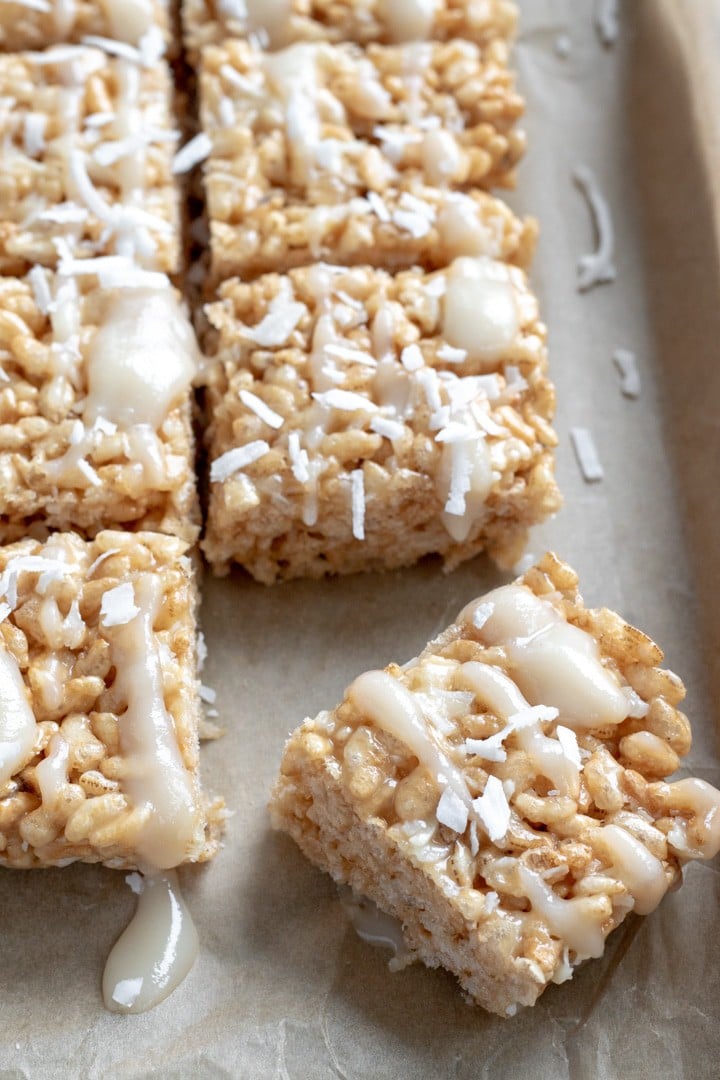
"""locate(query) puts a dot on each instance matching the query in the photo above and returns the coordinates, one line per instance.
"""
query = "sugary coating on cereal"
(35, 24)
(278, 23)
(359, 420)
(95, 402)
(505, 794)
(307, 140)
(86, 159)
(100, 708)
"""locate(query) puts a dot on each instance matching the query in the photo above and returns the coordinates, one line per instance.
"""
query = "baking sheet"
(283, 988)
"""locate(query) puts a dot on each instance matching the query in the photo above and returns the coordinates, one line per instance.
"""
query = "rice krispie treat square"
(100, 704)
(504, 795)
(335, 147)
(95, 402)
(278, 23)
(361, 421)
(86, 159)
(35, 24)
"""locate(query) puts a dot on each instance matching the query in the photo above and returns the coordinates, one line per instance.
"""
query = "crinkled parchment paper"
(283, 987)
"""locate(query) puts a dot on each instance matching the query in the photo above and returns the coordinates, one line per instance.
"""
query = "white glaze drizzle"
(18, 729)
(156, 781)
(142, 359)
(156, 950)
(553, 662)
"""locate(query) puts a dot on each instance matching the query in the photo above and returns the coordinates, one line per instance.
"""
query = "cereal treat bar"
(361, 421)
(504, 795)
(323, 151)
(86, 159)
(35, 24)
(100, 706)
(95, 402)
(278, 23)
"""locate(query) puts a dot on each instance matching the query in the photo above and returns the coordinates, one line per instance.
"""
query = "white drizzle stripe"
(598, 267)
(261, 409)
(238, 458)
(155, 780)
(17, 722)
(586, 454)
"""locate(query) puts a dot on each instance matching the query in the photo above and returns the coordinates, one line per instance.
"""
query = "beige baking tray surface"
(283, 988)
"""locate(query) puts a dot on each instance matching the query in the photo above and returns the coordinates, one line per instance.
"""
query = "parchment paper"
(283, 988)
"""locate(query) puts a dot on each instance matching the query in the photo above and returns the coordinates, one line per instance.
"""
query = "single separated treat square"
(95, 402)
(100, 707)
(334, 148)
(35, 24)
(504, 794)
(278, 23)
(359, 420)
(86, 159)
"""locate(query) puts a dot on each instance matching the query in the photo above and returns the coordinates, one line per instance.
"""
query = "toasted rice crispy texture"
(22, 27)
(260, 518)
(92, 820)
(346, 788)
(40, 201)
(362, 21)
(273, 203)
(39, 412)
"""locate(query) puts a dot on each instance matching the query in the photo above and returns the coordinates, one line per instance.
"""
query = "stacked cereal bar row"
(348, 154)
(379, 392)
(504, 795)
(100, 707)
(97, 355)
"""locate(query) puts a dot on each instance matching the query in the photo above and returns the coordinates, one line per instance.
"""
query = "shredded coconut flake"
(298, 458)
(114, 48)
(586, 454)
(236, 459)
(207, 694)
(118, 606)
(493, 809)
(353, 356)
(344, 400)
(261, 410)
(136, 882)
(598, 267)
(607, 22)
(89, 472)
(450, 355)
(282, 317)
(192, 153)
(569, 743)
(412, 358)
(38, 278)
(357, 481)
(626, 364)
(389, 429)
(452, 811)
(378, 207)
